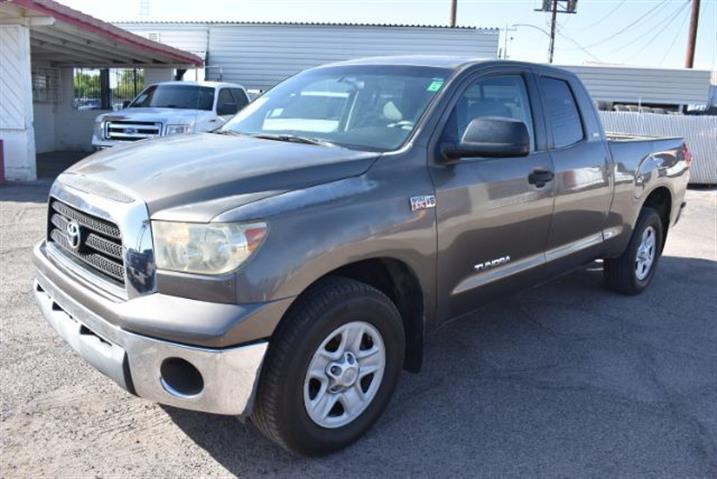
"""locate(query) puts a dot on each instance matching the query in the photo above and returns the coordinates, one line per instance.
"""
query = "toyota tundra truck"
(288, 266)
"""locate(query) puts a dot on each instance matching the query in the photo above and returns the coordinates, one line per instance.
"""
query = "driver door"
(493, 218)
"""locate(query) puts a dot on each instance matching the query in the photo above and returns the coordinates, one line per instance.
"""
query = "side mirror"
(227, 109)
(125, 104)
(490, 137)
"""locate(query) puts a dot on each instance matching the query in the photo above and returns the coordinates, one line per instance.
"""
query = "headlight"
(205, 248)
(177, 129)
(99, 131)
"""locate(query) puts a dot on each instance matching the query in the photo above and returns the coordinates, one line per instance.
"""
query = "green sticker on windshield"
(435, 85)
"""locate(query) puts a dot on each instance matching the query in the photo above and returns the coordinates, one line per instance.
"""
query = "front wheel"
(331, 367)
(633, 271)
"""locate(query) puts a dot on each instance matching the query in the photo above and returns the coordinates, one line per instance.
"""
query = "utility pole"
(692, 40)
(144, 9)
(551, 48)
(454, 12)
(506, 39)
(555, 7)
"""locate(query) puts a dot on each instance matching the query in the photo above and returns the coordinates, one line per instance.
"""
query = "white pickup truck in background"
(170, 108)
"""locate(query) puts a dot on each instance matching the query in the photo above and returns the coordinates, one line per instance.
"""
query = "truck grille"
(131, 130)
(97, 243)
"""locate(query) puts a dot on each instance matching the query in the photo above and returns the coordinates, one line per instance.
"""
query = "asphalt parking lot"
(563, 380)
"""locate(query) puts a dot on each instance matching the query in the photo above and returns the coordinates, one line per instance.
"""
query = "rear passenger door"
(492, 221)
(582, 176)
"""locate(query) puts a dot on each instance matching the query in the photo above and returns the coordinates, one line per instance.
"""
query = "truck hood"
(215, 172)
(164, 115)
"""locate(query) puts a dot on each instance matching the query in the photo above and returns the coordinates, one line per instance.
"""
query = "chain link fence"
(700, 133)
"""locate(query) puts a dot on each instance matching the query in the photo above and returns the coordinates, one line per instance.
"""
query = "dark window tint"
(562, 111)
(175, 96)
(226, 104)
(240, 97)
(500, 96)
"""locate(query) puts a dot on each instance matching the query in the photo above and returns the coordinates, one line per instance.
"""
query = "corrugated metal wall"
(189, 37)
(260, 56)
(645, 85)
(700, 133)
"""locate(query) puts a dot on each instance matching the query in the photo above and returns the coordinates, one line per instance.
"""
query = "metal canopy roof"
(66, 37)
(305, 24)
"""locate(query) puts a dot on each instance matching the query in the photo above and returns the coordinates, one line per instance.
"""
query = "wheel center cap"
(344, 372)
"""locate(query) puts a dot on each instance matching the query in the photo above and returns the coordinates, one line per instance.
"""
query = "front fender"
(316, 230)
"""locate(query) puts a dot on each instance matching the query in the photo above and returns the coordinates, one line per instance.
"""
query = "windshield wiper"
(294, 139)
(227, 131)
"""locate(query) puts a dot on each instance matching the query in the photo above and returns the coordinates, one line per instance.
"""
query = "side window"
(240, 98)
(499, 96)
(225, 103)
(562, 112)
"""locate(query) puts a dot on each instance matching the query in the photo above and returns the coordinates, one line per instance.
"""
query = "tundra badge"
(492, 264)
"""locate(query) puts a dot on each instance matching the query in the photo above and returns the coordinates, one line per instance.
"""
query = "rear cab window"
(226, 105)
(562, 112)
(240, 97)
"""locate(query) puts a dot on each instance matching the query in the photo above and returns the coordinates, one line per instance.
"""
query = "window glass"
(500, 96)
(562, 112)
(226, 104)
(361, 107)
(240, 98)
(190, 97)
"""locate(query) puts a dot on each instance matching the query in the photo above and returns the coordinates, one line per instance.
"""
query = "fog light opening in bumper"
(180, 378)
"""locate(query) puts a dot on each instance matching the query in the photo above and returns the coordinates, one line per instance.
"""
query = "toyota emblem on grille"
(73, 234)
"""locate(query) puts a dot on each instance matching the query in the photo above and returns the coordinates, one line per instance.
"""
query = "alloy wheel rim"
(344, 374)
(645, 253)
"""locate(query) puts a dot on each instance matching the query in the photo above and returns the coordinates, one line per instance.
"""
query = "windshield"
(188, 97)
(361, 107)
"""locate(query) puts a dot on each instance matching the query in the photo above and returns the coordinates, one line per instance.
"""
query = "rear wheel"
(331, 368)
(633, 271)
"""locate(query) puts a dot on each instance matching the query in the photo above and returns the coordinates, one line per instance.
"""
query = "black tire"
(620, 273)
(279, 411)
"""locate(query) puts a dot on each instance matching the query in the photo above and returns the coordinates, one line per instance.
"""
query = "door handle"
(540, 178)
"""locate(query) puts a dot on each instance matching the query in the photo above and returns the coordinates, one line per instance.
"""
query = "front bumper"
(229, 376)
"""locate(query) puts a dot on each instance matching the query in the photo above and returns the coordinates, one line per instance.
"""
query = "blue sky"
(636, 32)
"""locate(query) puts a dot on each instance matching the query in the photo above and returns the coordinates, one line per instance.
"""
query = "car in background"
(170, 108)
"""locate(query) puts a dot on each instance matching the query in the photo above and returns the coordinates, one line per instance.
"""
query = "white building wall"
(16, 115)
(73, 128)
(190, 37)
(644, 85)
(260, 55)
(157, 75)
(44, 122)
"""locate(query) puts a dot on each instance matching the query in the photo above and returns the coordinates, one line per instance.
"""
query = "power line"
(624, 29)
(580, 47)
(714, 51)
(671, 19)
(617, 7)
(631, 42)
(674, 40)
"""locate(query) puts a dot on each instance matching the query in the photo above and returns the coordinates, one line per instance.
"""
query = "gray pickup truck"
(288, 266)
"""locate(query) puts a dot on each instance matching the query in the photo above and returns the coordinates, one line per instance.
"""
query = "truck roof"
(213, 84)
(451, 62)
